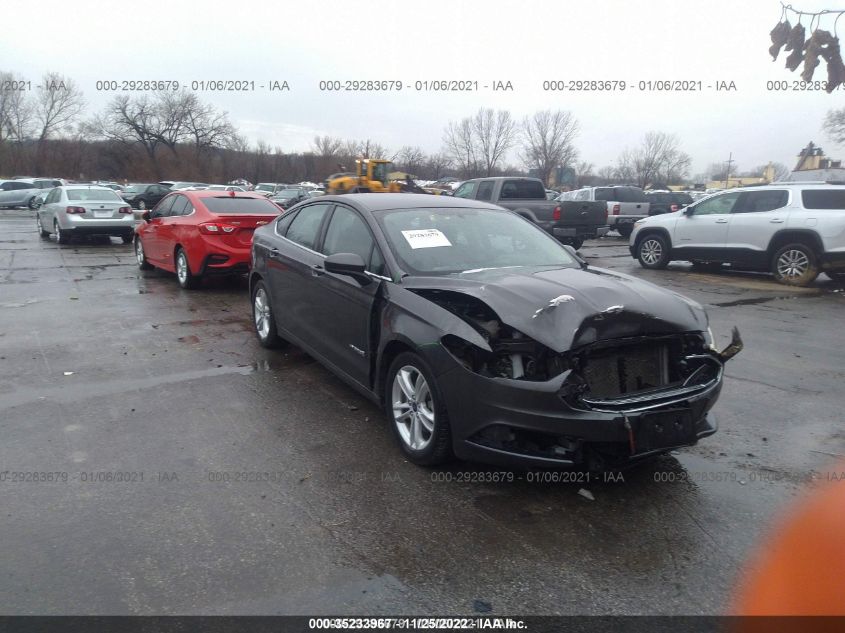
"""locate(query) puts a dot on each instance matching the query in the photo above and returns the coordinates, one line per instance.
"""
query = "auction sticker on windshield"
(426, 238)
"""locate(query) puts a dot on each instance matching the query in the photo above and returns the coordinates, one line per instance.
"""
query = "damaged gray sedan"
(483, 337)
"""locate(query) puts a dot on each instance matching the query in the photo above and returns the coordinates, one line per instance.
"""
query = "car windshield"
(288, 193)
(449, 241)
(103, 195)
(239, 204)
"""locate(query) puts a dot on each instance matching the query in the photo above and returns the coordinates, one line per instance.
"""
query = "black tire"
(184, 276)
(438, 446)
(625, 230)
(62, 237)
(31, 203)
(267, 335)
(140, 256)
(795, 264)
(127, 239)
(575, 242)
(40, 227)
(653, 251)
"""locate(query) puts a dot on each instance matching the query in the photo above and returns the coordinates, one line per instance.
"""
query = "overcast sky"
(523, 42)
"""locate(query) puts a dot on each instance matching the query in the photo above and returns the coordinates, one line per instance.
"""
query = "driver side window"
(717, 205)
(163, 208)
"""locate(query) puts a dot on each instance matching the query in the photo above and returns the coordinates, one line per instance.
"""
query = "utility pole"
(728, 170)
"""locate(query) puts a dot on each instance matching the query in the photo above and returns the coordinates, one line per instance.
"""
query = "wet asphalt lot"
(257, 483)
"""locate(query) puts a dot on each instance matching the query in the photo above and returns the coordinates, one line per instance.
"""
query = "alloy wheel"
(413, 407)
(793, 263)
(261, 313)
(182, 267)
(651, 251)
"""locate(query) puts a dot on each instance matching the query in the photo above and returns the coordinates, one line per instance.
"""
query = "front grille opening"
(627, 370)
(650, 368)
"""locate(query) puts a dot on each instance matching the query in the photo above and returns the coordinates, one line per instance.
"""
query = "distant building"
(743, 181)
(814, 165)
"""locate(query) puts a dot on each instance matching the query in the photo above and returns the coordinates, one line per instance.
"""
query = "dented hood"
(565, 308)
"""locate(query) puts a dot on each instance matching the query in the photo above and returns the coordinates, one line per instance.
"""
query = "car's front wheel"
(62, 237)
(625, 230)
(40, 227)
(262, 317)
(417, 412)
(653, 251)
(140, 256)
(187, 279)
(795, 265)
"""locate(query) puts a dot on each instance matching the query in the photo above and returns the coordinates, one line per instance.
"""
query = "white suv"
(795, 230)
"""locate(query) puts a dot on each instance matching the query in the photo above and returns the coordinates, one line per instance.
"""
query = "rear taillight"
(556, 213)
(75, 210)
(125, 210)
(216, 228)
(616, 209)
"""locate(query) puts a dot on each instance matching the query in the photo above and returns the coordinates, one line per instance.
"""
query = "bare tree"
(834, 126)
(548, 141)
(437, 164)
(606, 174)
(17, 110)
(459, 146)
(411, 159)
(327, 146)
(366, 148)
(658, 158)
(58, 104)
(495, 133)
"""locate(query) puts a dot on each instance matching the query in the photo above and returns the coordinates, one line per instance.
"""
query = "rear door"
(292, 268)
(632, 201)
(341, 308)
(153, 247)
(703, 233)
(755, 217)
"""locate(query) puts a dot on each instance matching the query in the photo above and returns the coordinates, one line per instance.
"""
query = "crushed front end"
(604, 404)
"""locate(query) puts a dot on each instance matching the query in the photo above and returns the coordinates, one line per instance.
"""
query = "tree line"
(150, 136)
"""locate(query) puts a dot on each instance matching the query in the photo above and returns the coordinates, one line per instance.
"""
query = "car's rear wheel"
(62, 237)
(40, 227)
(187, 279)
(795, 265)
(653, 251)
(263, 319)
(127, 239)
(31, 203)
(417, 412)
(140, 256)
(575, 242)
(625, 230)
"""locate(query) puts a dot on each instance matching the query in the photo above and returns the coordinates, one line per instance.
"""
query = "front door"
(702, 233)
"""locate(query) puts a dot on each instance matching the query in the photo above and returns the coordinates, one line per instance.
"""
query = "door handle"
(721, 221)
(317, 270)
(776, 221)
(275, 253)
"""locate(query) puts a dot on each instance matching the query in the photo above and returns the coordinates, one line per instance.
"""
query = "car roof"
(389, 201)
(215, 193)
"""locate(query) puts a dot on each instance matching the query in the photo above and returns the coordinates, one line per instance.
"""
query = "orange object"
(800, 569)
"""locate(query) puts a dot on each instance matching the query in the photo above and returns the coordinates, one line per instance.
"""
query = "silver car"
(23, 192)
(84, 210)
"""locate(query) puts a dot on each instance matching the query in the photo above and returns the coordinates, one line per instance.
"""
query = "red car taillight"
(216, 228)
(616, 209)
(75, 210)
(125, 210)
(556, 213)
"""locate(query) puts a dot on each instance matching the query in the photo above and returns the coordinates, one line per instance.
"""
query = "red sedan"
(198, 233)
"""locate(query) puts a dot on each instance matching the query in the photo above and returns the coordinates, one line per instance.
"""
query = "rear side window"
(306, 225)
(485, 190)
(823, 198)
(228, 205)
(630, 194)
(605, 194)
(522, 190)
(759, 201)
(182, 206)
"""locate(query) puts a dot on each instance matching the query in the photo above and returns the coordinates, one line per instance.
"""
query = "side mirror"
(145, 216)
(688, 211)
(571, 250)
(349, 264)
